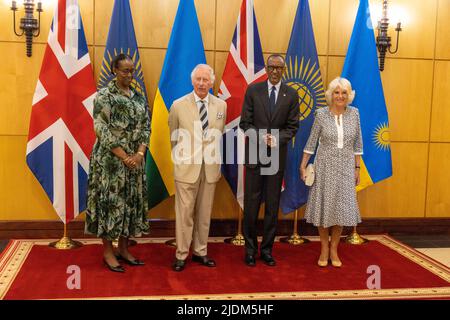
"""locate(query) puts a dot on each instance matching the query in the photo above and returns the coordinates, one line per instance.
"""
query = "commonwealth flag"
(121, 39)
(184, 52)
(302, 74)
(361, 69)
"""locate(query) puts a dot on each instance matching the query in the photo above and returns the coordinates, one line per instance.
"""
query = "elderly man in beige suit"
(196, 124)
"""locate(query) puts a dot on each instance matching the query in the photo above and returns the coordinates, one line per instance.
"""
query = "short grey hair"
(203, 65)
(341, 83)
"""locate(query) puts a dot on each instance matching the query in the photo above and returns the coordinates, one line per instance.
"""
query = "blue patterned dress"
(332, 197)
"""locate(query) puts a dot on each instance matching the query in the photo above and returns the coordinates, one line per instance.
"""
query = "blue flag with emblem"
(361, 69)
(302, 74)
(121, 39)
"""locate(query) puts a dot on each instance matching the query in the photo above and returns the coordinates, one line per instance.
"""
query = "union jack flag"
(61, 134)
(245, 65)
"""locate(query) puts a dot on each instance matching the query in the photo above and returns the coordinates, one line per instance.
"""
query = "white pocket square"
(219, 115)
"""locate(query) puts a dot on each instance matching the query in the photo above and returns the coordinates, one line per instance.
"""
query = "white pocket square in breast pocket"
(220, 115)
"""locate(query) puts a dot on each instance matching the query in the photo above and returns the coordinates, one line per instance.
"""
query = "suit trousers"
(193, 205)
(256, 187)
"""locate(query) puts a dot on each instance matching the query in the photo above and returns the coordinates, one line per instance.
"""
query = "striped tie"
(204, 117)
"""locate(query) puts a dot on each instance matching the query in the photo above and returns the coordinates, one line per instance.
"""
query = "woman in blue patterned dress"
(117, 190)
(332, 201)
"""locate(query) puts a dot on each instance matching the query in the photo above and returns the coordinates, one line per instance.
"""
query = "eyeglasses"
(273, 68)
(126, 71)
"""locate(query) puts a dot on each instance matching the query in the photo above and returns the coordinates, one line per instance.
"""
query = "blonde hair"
(341, 83)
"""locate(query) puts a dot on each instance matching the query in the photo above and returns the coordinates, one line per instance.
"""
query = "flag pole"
(355, 238)
(65, 243)
(237, 240)
(295, 238)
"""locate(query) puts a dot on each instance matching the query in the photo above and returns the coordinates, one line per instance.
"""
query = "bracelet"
(140, 153)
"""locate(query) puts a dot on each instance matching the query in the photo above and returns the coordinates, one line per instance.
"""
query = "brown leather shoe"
(204, 260)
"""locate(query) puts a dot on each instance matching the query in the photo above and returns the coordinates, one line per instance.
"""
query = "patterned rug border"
(16, 252)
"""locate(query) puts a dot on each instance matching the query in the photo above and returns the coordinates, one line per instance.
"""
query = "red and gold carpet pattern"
(30, 269)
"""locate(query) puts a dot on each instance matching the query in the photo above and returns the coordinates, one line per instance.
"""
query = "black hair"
(276, 55)
(117, 59)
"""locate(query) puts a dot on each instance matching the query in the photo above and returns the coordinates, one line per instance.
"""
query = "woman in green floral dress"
(117, 191)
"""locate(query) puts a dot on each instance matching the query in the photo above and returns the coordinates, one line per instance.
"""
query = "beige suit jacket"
(191, 147)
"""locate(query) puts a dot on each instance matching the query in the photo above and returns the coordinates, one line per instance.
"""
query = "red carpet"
(31, 270)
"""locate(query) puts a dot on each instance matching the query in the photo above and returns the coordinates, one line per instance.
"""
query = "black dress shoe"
(204, 260)
(178, 265)
(135, 262)
(118, 268)
(268, 259)
(250, 260)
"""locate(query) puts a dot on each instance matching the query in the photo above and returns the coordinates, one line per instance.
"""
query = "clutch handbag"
(310, 174)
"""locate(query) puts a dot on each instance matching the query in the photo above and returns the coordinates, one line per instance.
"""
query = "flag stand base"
(355, 238)
(65, 243)
(237, 240)
(294, 239)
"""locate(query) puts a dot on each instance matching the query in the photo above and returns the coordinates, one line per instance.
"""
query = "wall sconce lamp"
(30, 26)
(383, 40)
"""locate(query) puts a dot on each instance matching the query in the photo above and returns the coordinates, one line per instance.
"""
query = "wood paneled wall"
(416, 83)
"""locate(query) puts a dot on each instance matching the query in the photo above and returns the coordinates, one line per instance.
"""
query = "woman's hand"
(138, 157)
(134, 160)
(129, 162)
(303, 173)
(357, 179)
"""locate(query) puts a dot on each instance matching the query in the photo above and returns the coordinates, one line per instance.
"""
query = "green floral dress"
(117, 196)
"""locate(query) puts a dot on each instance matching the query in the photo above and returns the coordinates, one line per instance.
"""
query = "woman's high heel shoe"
(336, 263)
(135, 262)
(118, 268)
(322, 263)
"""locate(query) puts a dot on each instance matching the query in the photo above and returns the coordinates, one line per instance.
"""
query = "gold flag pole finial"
(65, 242)
(295, 238)
(237, 240)
(355, 238)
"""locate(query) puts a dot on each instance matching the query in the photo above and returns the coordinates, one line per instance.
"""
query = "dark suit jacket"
(256, 115)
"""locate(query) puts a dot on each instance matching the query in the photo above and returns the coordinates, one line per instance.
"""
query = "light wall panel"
(403, 194)
(440, 119)
(21, 195)
(342, 18)
(408, 86)
(320, 10)
(443, 30)
(18, 83)
(438, 192)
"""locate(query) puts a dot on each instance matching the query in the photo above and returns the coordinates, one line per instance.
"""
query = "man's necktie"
(272, 99)
(204, 117)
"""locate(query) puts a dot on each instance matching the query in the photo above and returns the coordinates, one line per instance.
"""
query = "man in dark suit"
(269, 118)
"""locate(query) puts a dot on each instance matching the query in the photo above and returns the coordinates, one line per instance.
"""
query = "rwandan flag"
(302, 74)
(185, 51)
(361, 69)
(121, 39)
